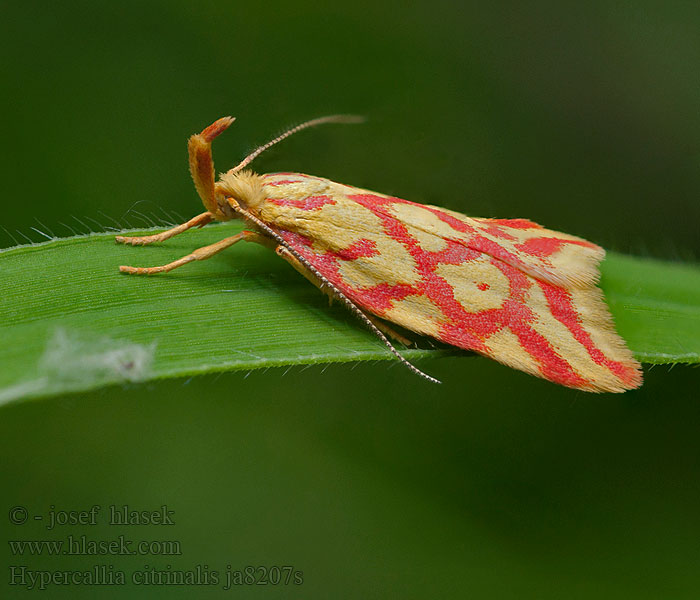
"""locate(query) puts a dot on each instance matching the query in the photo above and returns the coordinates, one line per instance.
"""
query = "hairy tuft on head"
(245, 187)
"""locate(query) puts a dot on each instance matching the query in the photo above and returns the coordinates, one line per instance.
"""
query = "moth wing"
(477, 284)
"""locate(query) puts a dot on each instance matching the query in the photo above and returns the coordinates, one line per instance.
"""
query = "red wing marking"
(361, 249)
(515, 223)
(380, 298)
(562, 308)
(282, 182)
(546, 246)
(308, 203)
(498, 232)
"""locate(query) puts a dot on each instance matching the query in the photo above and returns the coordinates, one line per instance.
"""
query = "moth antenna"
(312, 123)
(342, 297)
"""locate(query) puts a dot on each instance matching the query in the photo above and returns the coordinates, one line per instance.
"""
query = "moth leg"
(379, 324)
(198, 221)
(200, 253)
(294, 261)
(386, 329)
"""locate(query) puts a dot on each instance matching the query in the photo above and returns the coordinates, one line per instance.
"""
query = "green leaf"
(70, 321)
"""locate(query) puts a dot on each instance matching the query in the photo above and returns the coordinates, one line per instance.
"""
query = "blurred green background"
(370, 481)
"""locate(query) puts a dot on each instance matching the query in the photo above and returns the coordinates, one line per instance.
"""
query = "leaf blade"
(245, 309)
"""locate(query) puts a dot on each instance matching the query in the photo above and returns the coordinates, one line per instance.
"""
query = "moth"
(508, 289)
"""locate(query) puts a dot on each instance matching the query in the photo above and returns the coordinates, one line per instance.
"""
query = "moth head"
(245, 187)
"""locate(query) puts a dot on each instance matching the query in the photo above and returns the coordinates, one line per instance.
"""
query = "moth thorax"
(245, 187)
